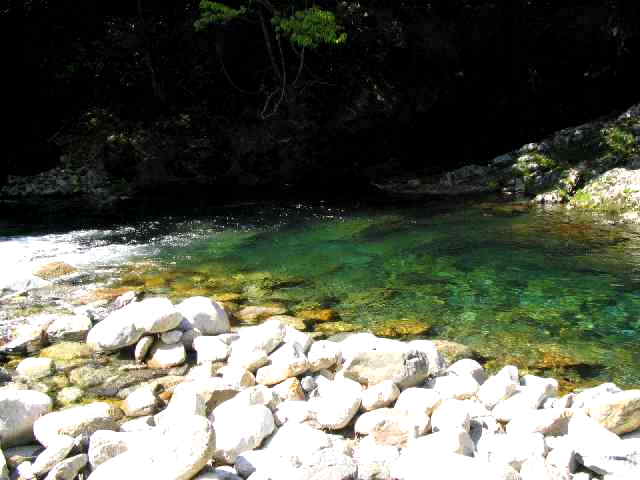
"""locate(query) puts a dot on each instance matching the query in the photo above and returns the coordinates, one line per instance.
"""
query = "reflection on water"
(552, 293)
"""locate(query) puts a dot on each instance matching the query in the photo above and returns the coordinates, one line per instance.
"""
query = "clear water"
(553, 293)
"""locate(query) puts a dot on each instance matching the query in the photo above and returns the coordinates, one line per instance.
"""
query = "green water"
(550, 292)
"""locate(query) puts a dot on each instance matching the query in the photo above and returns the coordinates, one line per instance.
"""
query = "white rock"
(68, 469)
(19, 409)
(139, 424)
(287, 361)
(323, 354)
(450, 466)
(337, 404)
(406, 368)
(166, 356)
(221, 473)
(155, 315)
(326, 464)
(171, 337)
(536, 469)
(210, 349)
(308, 383)
(85, 419)
(197, 397)
(69, 328)
(451, 414)
(601, 450)
(31, 336)
(511, 449)
(299, 442)
(291, 335)
(521, 403)
(251, 461)
(460, 387)
(4, 470)
(203, 314)
(124, 299)
(499, 387)
(586, 397)
(562, 459)
(250, 360)
(235, 437)
(142, 401)
(35, 367)
(443, 442)
(370, 421)
(550, 385)
(188, 336)
(266, 337)
(142, 348)
(381, 395)
(238, 378)
(466, 367)
(257, 395)
(375, 460)
(178, 452)
(290, 389)
(550, 421)
(618, 412)
(105, 444)
(116, 331)
(69, 395)
(57, 451)
(421, 401)
(437, 363)
(292, 411)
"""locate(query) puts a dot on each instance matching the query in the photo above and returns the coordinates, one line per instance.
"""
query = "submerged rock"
(54, 270)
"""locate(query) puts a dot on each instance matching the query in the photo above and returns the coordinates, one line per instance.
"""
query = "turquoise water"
(553, 293)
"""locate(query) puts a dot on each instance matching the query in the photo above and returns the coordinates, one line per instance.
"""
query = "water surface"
(553, 293)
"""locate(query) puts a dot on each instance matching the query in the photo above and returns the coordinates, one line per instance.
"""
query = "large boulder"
(57, 451)
(19, 409)
(406, 368)
(34, 367)
(618, 412)
(235, 437)
(155, 315)
(117, 331)
(69, 468)
(85, 419)
(202, 314)
(337, 403)
(166, 356)
(69, 328)
(177, 452)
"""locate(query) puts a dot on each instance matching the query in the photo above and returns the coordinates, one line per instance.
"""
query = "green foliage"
(620, 142)
(310, 28)
(216, 13)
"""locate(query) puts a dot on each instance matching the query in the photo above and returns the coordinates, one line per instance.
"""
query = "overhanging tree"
(304, 26)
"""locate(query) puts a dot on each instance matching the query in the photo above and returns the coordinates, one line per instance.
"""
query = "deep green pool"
(551, 292)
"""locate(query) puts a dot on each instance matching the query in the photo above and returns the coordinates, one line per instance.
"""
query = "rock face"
(85, 419)
(202, 314)
(19, 410)
(404, 368)
(177, 452)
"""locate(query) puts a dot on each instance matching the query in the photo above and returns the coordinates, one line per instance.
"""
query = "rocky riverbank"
(594, 166)
(149, 388)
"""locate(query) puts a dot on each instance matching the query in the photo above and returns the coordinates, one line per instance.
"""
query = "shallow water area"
(551, 291)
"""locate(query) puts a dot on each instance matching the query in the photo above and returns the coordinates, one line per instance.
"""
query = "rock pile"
(270, 402)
